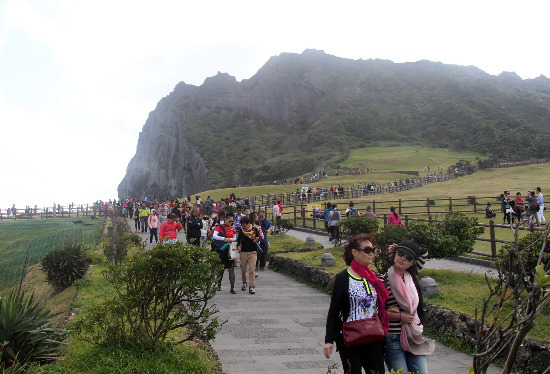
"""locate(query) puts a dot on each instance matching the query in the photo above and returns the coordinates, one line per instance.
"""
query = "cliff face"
(302, 112)
(166, 164)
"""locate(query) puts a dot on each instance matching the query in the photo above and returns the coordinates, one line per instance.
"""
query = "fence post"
(295, 221)
(399, 206)
(406, 220)
(385, 220)
(475, 207)
(428, 205)
(374, 207)
(450, 204)
(492, 236)
(303, 212)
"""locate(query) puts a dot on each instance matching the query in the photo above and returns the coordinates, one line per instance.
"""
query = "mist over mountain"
(304, 112)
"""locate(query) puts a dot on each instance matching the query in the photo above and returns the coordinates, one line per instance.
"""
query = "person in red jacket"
(169, 229)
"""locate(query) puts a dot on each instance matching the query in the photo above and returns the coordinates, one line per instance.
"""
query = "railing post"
(295, 221)
(385, 220)
(428, 205)
(492, 236)
(450, 204)
(374, 207)
(399, 206)
(475, 205)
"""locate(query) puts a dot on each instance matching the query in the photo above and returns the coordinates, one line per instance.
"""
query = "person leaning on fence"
(489, 213)
(394, 219)
(326, 213)
(334, 223)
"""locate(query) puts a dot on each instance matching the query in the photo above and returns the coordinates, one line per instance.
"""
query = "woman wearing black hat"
(406, 348)
(357, 294)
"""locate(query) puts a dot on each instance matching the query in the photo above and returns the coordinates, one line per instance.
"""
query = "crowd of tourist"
(519, 209)
(225, 222)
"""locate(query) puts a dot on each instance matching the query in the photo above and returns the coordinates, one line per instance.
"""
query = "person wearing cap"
(357, 294)
(406, 348)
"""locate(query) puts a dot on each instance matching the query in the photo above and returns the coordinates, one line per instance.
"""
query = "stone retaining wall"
(534, 356)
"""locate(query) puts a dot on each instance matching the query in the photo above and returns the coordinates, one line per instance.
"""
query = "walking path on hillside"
(281, 329)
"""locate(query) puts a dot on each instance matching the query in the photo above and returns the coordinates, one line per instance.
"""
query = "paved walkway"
(281, 328)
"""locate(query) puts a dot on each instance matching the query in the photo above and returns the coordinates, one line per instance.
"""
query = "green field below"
(37, 237)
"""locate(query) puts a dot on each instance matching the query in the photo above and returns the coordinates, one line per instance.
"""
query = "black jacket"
(194, 226)
(339, 307)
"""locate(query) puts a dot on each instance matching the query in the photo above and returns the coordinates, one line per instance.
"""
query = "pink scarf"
(382, 293)
(406, 295)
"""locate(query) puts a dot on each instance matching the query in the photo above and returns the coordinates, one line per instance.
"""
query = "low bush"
(358, 225)
(283, 226)
(26, 333)
(157, 291)
(64, 266)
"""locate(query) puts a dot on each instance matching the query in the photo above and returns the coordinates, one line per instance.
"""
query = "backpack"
(218, 244)
(352, 212)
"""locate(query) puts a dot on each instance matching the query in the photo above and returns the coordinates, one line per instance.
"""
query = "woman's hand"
(405, 318)
(239, 248)
(327, 350)
(227, 240)
(392, 248)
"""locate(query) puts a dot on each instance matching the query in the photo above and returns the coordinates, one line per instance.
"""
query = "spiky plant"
(65, 266)
(26, 332)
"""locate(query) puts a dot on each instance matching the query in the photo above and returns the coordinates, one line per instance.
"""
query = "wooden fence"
(409, 210)
(82, 210)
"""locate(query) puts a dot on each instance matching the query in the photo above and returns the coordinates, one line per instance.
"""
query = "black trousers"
(369, 357)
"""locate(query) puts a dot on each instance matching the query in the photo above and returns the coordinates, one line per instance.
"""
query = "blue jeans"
(396, 358)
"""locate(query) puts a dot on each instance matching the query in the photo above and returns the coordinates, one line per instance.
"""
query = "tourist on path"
(144, 213)
(163, 212)
(169, 229)
(326, 214)
(226, 233)
(406, 348)
(357, 294)
(532, 207)
(136, 218)
(264, 243)
(247, 241)
(153, 223)
(194, 226)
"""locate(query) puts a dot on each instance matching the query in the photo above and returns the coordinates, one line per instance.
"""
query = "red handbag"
(362, 331)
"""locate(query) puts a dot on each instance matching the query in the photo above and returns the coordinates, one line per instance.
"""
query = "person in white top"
(540, 203)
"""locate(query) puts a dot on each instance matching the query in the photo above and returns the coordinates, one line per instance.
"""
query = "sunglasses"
(407, 257)
(368, 249)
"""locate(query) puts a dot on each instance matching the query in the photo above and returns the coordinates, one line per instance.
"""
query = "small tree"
(282, 226)
(163, 289)
(498, 330)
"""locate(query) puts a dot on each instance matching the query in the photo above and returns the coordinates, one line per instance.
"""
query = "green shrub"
(116, 247)
(528, 252)
(359, 225)
(64, 266)
(283, 226)
(450, 238)
(26, 335)
(163, 289)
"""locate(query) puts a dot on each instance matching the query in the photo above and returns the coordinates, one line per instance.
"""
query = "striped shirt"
(395, 324)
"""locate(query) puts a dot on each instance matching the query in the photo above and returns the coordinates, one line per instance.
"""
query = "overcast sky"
(78, 79)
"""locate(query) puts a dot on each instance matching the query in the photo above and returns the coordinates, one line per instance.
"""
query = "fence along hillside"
(63, 211)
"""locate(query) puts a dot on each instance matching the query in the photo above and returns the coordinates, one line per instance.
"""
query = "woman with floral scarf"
(406, 348)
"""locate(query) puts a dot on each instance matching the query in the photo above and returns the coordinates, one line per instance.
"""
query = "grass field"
(37, 237)
(404, 158)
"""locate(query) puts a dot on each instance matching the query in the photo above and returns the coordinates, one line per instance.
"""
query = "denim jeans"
(396, 358)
